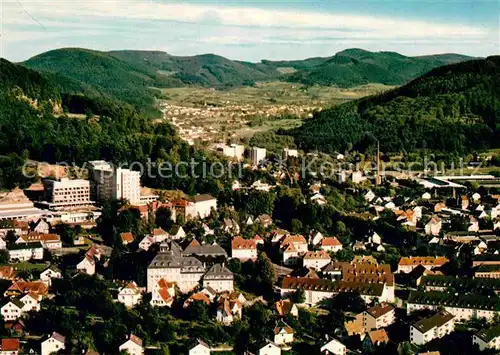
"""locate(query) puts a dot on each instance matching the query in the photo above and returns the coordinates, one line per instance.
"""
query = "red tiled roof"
(321, 254)
(240, 243)
(330, 241)
(127, 237)
(423, 260)
(10, 345)
(378, 336)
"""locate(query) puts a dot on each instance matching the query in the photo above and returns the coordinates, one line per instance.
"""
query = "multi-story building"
(435, 327)
(219, 278)
(257, 155)
(316, 259)
(407, 264)
(244, 249)
(130, 295)
(169, 264)
(463, 307)
(66, 194)
(26, 251)
(289, 153)
(110, 183)
(379, 316)
(234, 151)
(487, 338)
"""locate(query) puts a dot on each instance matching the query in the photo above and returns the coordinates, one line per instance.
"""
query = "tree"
(296, 226)
(163, 218)
(298, 296)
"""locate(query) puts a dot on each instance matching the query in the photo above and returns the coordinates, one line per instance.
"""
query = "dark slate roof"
(219, 271)
(437, 320)
(22, 246)
(489, 334)
(206, 249)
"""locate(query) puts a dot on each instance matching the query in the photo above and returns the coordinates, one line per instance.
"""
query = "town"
(412, 264)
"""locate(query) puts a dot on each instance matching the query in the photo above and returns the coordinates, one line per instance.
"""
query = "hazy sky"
(251, 29)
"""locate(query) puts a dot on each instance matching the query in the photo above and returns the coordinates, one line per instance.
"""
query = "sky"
(251, 30)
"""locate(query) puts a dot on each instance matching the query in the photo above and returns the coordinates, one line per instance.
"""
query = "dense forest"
(455, 108)
(31, 128)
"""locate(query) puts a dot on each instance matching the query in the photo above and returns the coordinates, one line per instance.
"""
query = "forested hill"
(32, 84)
(31, 128)
(99, 74)
(354, 67)
(204, 70)
(452, 108)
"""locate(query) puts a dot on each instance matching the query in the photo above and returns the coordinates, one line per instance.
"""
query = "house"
(230, 226)
(204, 204)
(297, 241)
(52, 272)
(316, 238)
(426, 196)
(158, 235)
(10, 347)
(434, 327)
(375, 239)
(355, 326)
(258, 240)
(318, 199)
(86, 266)
(433, 227)
(146, 243)
(473, 224)
(369, 196)
(127, 238)
(438, 207)
(316, 259)
(171, 265)
(333, 347)
(129, 295)
(163, 294)
(265, 220)
(48, 241)
(54, 343)
(133, 345)
(291, 255)
(476, 197)
(199, 348)
(3, 244)
(26, 251)
(7, 273)
(407, 264)
(197, 297)
(285, 307)
(219, 278)
(379, 316)
(269, 348)
(244, 249)
(177, 232)
(488, 338)
(228, 310)
(41, 226)
(283, 334)
(331, 244)
(12, 310)
(21, 287)
(31, 302)
(374, 339)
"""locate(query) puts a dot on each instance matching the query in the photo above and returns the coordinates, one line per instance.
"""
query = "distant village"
(417, 300)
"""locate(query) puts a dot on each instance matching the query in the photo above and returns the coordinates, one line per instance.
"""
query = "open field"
(210, 115)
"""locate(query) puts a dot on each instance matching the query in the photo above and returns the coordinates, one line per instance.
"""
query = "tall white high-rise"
(257, 155)
(111, 183)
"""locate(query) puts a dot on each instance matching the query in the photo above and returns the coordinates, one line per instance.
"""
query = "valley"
(208, 114)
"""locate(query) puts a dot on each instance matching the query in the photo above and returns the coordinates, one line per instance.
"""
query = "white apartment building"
(66, 193)
(203, 205)
(219, 278)
(289, 153)
(110, 183)
(379, 316)
(487, 338)
(26, 251)
(257, 155)
(234, 151)
(434, 327)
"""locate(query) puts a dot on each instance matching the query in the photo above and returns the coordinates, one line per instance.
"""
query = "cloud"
(52, 10)
(247, 33)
